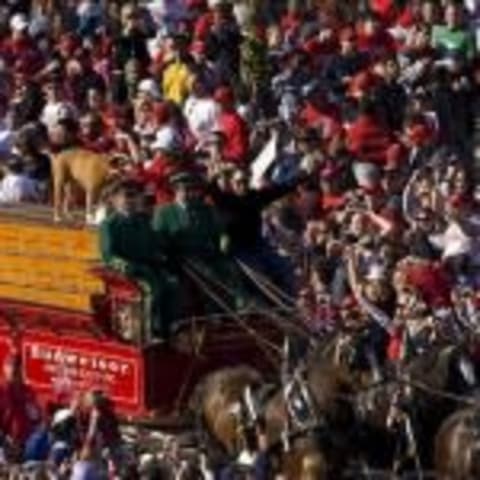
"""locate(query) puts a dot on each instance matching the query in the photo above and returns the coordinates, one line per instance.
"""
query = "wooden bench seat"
(45, 263)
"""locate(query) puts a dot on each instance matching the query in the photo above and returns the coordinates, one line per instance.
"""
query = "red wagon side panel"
(56, 367)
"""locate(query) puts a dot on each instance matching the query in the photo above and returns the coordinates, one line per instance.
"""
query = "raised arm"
(372, 310)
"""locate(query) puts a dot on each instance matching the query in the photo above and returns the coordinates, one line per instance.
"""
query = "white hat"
(150, 87)
(165, 139)
(61, 416)
(454, 241)
(19, 22)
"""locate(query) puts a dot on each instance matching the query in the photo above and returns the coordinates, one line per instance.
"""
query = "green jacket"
(458, 41)
(192, 231)
(127, 243)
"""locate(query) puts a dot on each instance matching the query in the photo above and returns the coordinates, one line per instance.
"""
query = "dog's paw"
(57, 219)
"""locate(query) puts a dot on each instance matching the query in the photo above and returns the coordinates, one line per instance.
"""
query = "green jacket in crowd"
(127, 242)
(195, 233)
(194, 230)
(129, 245)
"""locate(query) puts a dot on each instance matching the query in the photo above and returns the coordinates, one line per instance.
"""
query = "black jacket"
(242, 215)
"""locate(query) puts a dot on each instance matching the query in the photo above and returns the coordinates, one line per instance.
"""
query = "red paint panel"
(57, 367)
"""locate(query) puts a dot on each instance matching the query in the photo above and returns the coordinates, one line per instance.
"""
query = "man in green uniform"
(129, 245)
(195, 238)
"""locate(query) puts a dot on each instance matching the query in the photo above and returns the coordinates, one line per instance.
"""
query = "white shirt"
(16, 188)
(53, 112)
(201, 115)
(166, 10)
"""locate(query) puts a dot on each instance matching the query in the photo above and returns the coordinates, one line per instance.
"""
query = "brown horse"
(311, 448)
(220, 397)
(457, 447)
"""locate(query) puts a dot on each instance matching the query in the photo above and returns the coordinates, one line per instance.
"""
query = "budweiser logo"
(78, 359)
(72, 366)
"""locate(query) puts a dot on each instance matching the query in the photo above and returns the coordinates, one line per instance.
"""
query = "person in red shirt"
(367, 138)
(19, 50)
(385, 9)
(233, 127)
(317, 113)
(432, 281)
(203, 18)
(93, 134)
(166, 162)
(410, 15)
(19, 409)
(373, 38)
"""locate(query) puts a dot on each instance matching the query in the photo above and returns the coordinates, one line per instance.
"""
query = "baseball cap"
(166, 140)
(19, 22)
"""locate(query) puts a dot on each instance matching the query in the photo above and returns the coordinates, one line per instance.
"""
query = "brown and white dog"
(89, 170)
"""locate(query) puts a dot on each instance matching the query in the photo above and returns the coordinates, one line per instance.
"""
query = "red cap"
(224, 96)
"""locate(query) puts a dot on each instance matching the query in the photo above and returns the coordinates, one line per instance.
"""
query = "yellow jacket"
(177, 81)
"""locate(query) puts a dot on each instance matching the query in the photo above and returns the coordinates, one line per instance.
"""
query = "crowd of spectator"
(336, 139)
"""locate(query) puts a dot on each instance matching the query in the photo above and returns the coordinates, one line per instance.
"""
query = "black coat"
(392, 100)
(242, 215)
(132, 46)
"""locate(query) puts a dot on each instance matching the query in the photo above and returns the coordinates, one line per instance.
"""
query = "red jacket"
(368, 140)
(327, 120)
(385, 9)
(379, 44)
(433, 282)
(235, 130)
(19, 411)
(22, 55)
(202, 26)
(156, 177)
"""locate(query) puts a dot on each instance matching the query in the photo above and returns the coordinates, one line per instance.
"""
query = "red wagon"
(78, 326)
